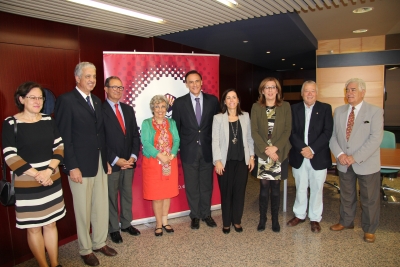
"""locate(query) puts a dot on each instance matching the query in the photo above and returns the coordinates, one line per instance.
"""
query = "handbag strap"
(3, 163)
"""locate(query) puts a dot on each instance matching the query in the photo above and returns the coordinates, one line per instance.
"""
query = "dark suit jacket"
(189, 131)
(319, 134)
(82, 132)
(118, 144)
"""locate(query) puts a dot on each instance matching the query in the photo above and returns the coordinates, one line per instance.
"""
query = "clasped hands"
(164, 158)
(307, 153)
(270, 151)
(346, 160)
(125, 164)
(43, 177)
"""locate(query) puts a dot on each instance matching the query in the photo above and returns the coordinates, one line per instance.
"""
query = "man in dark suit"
(122, 139)
(80, 122)
(194, 114)
(355, 143)
(312, 126)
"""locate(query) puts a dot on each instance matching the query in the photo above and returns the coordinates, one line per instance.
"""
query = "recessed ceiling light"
(294, 64)
(245, 42)
(362, 10)
(118, 10)
(230, 3)
(283, 59)
(360, 30)
(268, 52)
(301, 68)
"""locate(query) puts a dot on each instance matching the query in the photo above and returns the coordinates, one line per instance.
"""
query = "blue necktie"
(198, 111)
(89, 103)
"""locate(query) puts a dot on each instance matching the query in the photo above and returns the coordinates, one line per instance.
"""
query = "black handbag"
(7, 192)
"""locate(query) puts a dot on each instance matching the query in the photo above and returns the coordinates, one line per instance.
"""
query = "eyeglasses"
(115, 88)
(270, 88)
(40, 98)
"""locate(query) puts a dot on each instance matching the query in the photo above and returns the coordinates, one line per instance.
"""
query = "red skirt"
(156, 186)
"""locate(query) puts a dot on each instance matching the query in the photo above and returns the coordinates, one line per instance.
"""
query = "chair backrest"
(389, 140)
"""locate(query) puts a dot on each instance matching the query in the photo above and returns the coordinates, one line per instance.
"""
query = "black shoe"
(158, 233)
(261, 224)
(168, 230)
(131, 230)
(195, 223)
(238, 229)
(116, 237)
(226, 230)
(275, 226)
(209, 221)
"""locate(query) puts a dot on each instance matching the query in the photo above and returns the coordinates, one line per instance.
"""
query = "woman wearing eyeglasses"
(34, 155)
(271, 124)
(160, 141)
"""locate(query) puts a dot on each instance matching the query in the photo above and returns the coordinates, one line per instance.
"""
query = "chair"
(389, 141)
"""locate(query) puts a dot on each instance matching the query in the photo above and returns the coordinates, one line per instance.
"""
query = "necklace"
(234, 140)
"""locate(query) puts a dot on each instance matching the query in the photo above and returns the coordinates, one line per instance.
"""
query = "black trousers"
(232, 185)
(198, 185)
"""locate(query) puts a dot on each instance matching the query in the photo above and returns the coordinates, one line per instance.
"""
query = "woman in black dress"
(34, 155)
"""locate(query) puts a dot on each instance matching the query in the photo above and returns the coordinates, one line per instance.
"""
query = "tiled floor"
(293, 246)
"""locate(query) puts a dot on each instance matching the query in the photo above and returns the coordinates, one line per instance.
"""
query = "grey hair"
(359, 82)
(309, 82)
(157, 99)
(81, 66)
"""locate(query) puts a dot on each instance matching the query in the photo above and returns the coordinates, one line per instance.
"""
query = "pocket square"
(366, 121)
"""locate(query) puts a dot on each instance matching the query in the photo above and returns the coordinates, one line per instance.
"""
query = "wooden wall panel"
(351, 45)
(326, 47)
(373, 43)
(36, 32)
(331, 84)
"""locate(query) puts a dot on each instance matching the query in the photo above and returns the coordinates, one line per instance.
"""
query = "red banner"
(145, 75)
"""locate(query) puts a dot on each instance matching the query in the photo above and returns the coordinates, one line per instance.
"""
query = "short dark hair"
(224, 108)
(23, 90)
(261, 99)
(193, 72)
(107, 82)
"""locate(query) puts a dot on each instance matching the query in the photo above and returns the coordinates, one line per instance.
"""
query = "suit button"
(348, 147)
(199, 131)
(197, 141)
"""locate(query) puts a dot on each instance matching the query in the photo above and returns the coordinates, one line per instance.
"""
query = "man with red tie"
(357, 135)
(122, 140)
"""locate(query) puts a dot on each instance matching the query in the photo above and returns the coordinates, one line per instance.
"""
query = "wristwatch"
(51, 168)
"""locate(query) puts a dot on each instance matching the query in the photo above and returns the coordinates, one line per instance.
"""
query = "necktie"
(350, 123)
(89, 103)
(198, 111)
(119, 117)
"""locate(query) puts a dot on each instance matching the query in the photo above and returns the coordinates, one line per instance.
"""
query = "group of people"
(98, 145)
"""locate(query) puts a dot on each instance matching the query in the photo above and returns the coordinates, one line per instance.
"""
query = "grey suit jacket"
(364, 141)
(220, 137)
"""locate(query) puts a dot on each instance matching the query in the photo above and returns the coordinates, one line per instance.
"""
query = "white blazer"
(220, 137)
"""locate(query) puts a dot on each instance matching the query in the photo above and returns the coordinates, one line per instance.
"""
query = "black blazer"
(118, 144)
(82, 132)
(189, 131)
(319, 134)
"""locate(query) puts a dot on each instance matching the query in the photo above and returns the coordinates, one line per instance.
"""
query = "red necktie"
(119, 117)
(350, 123)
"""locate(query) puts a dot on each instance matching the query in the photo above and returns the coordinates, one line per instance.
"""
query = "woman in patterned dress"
(160, 142)
(271, 124)
(34, 155)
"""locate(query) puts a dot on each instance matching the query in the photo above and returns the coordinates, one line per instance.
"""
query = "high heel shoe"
(158, 234)
(238, 229)
(170, 230)
(226, 230)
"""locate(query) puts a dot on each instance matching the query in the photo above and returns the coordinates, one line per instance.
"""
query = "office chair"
(388, 141)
